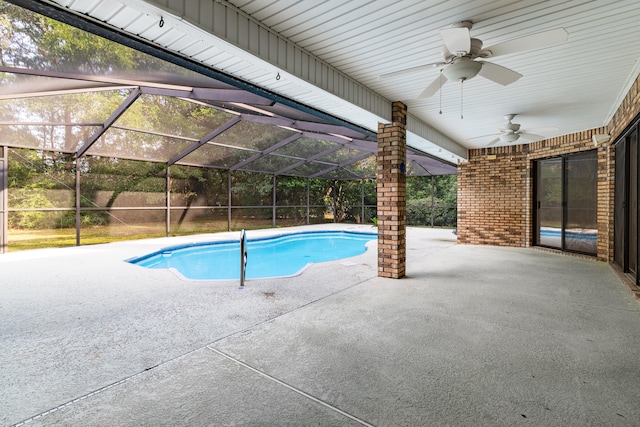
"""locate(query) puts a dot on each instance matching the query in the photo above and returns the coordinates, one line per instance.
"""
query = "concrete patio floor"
(474, 335)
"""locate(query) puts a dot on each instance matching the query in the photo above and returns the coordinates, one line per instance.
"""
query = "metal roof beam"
(151, 132)
(112, 118)
(230, 95)
(328, 129)
(268, 120)
(207, 94)
(263, 153)
(420, 164)
(341, 165)
(309, 160)
(48, 123)
(203, 141)
(357, 144)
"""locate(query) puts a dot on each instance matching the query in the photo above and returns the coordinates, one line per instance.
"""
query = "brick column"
(392, 194)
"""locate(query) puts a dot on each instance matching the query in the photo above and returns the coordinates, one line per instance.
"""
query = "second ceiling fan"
(462, 56)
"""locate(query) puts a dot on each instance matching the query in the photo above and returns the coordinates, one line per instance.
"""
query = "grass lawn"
(24, 239)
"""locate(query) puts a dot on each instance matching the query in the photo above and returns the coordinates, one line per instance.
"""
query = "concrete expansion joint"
(207, 346)
(289, 386)
(98, 391)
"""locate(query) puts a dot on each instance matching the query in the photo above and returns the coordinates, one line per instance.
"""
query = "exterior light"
(463, 69)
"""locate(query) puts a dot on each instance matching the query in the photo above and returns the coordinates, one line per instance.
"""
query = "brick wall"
(495, 187)
(492, 189)
(392, 194)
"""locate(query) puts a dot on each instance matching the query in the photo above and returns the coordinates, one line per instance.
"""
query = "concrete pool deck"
(474, 335)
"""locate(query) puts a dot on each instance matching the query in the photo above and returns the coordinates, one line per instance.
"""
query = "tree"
(423, 204)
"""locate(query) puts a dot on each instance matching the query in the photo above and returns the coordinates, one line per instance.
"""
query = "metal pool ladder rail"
(243, 257)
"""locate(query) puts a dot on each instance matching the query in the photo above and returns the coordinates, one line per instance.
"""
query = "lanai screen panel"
(304, 147)
(108, 182)
(48, 137)
(84, 108)
(271, 163)
(216, 156)
(65, 90)
(253, 136)
(172, 116)
(62, 122)
(130, 144)
(365, 168)
(310, 169)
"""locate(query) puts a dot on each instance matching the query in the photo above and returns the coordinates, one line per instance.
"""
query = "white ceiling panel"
(321, 48)
(574, 86)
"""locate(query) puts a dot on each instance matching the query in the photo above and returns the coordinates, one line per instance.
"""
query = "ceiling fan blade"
(433, 87)
(545, 129)
(482, 136)
(531, 136)
(411, 70)
(495, 141)
(498, 73)
(530, 42)
(457, 40)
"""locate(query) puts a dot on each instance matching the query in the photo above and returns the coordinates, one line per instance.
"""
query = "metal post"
(433, 205)
(308, 203)
(335, 202)
(273, 207)
(362, 221)
(78, 197)
(168, 216)
(229, 200)
(4, 209)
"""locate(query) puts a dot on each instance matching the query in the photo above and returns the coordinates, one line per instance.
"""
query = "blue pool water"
(556, 232)
(278, 256)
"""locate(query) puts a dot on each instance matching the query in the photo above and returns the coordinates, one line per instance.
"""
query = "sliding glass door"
(566, 202)
(626, 212)
(549, 202)
(632, 214)
(581, 191)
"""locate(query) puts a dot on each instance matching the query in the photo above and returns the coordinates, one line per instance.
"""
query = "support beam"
(209, 94)
(309, 160)
(203, 141)
(78, 204)
(4, 214)
(392, 200)
(308, 201)
(229, 200)
(263, 153)
(168, 202)
(273, 207)
(105, 126)
(341, 165)
(362, 201)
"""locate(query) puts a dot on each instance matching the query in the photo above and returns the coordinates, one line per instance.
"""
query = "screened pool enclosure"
(99, 140)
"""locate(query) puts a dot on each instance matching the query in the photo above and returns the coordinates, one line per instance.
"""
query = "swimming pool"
(283, 255)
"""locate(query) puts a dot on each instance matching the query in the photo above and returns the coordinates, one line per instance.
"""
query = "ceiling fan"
(462, 56)
(511, 132)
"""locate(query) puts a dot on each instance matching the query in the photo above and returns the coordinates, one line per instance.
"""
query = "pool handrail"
(243, 257)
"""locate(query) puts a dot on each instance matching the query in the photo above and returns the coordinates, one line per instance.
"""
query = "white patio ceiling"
(330, 55)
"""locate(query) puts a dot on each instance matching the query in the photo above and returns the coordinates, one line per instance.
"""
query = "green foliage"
(45, 178)
(251, 189)
(30, 219)
(425, 208)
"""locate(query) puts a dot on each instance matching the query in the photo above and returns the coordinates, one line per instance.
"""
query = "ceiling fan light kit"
(464, 58)
(511, 132)
(509, 137)
(463, 69)
(460, 53)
